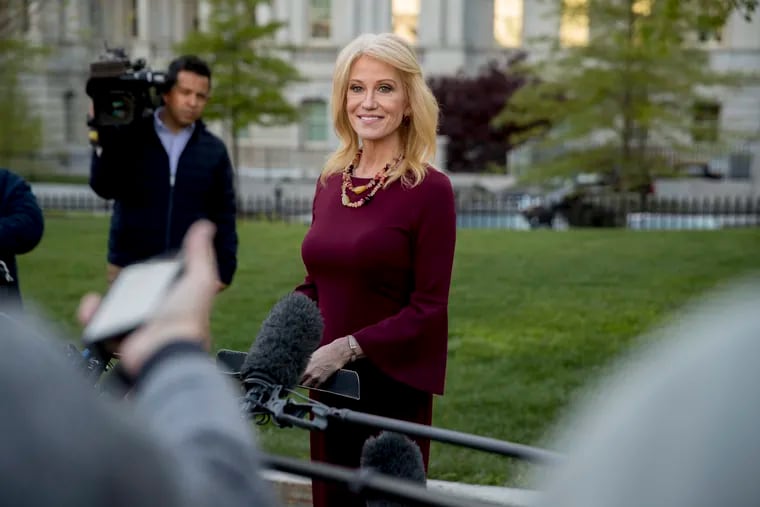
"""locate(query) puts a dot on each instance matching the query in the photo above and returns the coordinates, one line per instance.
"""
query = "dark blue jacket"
(150, 217)
(21, 227)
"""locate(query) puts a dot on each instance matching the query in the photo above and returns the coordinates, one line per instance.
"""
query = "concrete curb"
(295, 491)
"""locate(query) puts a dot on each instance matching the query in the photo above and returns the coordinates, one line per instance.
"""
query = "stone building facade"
(450, 36)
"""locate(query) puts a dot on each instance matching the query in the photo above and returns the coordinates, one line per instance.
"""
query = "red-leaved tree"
(468, 104)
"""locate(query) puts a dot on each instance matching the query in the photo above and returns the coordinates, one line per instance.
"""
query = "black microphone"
(394, 455)
(279, 355)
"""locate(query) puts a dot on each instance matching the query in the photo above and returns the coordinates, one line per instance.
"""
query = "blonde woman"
(379, 251)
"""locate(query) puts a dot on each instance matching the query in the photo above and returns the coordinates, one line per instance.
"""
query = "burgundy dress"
(382, 273)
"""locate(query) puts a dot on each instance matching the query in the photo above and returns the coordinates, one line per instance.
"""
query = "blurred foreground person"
(678, 424)
(21, 226)
(178, 441)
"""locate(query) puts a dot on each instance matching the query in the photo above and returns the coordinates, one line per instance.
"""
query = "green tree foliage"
(624, 101)
(249, 77)
(711, 15)
(20, 128)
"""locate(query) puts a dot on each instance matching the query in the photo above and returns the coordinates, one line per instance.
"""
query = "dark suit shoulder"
(209, 143)
(9, 182)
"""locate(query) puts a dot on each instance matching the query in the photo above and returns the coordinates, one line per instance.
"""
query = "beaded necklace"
(375, 184)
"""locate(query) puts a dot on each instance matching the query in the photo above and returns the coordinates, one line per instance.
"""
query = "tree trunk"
(235, 149)
(235, 154)
(628, 114)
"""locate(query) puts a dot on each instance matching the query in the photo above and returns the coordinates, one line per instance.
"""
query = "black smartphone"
(132, 299)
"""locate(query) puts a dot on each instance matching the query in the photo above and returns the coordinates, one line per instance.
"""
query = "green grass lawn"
(534, 315)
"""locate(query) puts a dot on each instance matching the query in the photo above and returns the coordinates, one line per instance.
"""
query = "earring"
(406, 120)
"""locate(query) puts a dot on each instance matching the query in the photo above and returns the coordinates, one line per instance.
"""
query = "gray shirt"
(179, 440)
(174, 142)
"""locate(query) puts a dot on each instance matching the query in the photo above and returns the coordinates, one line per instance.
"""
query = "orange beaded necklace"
(375, 184)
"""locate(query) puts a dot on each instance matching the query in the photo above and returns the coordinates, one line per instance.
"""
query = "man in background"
(164, 172)
(21, 227)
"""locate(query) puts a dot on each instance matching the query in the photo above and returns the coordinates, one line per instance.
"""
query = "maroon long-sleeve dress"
(382, 273)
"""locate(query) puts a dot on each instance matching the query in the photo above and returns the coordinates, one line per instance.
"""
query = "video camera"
(122, 90)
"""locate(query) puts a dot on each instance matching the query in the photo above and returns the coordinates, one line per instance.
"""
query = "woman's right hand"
(325, 361)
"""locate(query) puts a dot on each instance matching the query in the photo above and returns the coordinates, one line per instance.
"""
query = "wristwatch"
(354, 346)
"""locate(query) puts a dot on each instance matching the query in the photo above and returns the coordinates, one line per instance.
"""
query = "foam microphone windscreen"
(287, 338)
(394, 454)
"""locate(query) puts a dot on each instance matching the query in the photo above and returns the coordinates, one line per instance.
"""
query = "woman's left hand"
(325, 361)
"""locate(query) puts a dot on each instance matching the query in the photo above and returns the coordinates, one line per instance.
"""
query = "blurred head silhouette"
(676, 424)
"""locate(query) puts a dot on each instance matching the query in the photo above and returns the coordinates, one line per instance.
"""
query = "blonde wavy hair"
(418, 135)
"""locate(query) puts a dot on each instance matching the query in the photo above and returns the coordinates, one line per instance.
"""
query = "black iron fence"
(519, 213)
(632, 211)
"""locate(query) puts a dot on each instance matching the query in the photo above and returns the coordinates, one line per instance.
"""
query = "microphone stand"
(370, 483)
(508, 449)
(285, 412)
(265, 402)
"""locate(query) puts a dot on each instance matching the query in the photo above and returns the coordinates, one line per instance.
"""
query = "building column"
(366, 16)
(441, 35)
(143, 20)
(363, 16)
(345, 19)
(141, 47)
(36, 22)
(281, 11)
(161, 26)
(478, 25)
(431, 23)
(298, 22)
(71, 21)
(453, 29)
(204, 11)
(382, 15)
(179, 16)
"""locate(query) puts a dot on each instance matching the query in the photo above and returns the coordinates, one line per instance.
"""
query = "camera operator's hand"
(185, 313)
